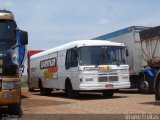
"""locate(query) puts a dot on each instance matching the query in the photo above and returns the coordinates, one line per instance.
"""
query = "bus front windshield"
(102, 55)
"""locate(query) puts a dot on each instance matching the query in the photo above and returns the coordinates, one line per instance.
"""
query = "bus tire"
(31, 89)
(44, 91)
(69, 90)
(108, 93)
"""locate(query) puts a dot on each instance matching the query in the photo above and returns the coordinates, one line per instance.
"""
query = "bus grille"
(113, 78)
(103, 79)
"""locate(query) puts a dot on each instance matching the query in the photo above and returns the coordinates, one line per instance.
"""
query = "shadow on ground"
(83, 96)
(151, 103)
(74, 117)
(132, 91)
(24, 96)
(30, 103)
(128, 91)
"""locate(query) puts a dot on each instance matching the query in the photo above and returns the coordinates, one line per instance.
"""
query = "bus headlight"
(9, 85)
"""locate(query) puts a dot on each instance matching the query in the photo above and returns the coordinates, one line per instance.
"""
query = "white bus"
(84, 65)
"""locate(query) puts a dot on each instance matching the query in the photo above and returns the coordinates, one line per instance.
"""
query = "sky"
(50, 23)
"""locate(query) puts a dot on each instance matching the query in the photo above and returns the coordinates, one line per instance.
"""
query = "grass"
(24, 84)
(24, 81)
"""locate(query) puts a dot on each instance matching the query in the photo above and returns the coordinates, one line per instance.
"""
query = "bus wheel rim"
(145, 85)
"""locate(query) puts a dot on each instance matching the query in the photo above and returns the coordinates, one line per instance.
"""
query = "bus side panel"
(33, 73)
(30, 53)
(72, 73)
(62, 75)
(74, 76)
(36, 73)
(50, 74)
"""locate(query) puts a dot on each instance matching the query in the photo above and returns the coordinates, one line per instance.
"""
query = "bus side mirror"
(23, 37)
(127, 53)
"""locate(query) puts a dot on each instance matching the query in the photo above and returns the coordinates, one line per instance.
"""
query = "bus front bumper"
(104, 86)
(9, 97)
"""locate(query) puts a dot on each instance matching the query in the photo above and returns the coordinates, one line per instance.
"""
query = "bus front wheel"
(108, 93)
(69, 90)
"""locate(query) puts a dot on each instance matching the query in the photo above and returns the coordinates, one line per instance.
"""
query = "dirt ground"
(87, 106)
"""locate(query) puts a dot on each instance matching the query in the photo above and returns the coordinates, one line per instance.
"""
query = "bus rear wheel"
(44, 91)
(31, 89)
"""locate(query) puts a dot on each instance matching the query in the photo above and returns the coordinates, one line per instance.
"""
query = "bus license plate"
(109, 86)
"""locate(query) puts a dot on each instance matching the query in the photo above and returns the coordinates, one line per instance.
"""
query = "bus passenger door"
(71, 66)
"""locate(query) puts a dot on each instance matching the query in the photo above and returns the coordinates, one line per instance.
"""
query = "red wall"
(30, 53)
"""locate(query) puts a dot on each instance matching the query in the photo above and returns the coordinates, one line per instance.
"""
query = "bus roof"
(6, 15)
(78, 43)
